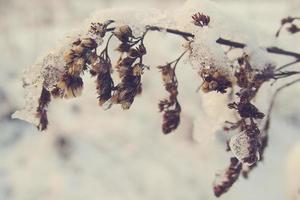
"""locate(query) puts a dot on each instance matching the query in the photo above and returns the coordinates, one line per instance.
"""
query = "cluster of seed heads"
(247, 146)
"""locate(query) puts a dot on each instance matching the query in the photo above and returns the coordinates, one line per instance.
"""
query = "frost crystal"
(240, 145)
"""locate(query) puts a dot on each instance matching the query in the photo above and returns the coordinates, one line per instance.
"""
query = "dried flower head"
(214, 80)
(123, 33)
(170, 107)
(293, 28)
(225, 180)
(199, 19)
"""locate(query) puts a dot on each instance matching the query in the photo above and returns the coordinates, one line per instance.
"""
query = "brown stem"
(287, 65)
(221, 41)
(276, 50)
(230, 43)
(276, 94)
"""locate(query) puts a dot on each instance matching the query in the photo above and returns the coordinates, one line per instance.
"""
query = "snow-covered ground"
(89, 153)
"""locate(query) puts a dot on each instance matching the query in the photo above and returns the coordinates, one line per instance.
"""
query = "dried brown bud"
(123, 33)
(123, 47)
(214, 80)
(88, 43)
(287, 20)
(70, 86)
(170, 107)
(200, 19)
(127, 90)
(98, 29)
(104, 87)
(44, 101)
(225, 180)
(293, 29)
(171, 120)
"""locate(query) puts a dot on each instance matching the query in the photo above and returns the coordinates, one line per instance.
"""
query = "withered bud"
(69, 56)
(287, 20)
(123, 33)
(168, 73)
(76, 67)
(214, 80)
(57, 92)
(79, 50)
(71, 86)
(123, 47)
(137, 70)
(89, 43)
(137, 52)
(127, 90)
(41, 111)
(98, 29)
(102, 66)
(171, 120)
(248, 110)
(104, 87)
(293, 29)
(170, 107)
(225, 180)
(126, 61)
(200, 19)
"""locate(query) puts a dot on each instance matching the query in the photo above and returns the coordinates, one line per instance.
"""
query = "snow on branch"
(203, 29)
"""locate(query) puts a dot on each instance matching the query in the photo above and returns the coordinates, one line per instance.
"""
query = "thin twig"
(277, 93)
(276, 50)
(230, 43)
(222, 41)
(287, 65)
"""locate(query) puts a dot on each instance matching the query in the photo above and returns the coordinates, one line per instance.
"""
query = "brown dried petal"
(44, 101)
(228, 178)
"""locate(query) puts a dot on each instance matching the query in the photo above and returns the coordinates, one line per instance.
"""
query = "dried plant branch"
(170, 107)
(292, 27)
(247, 146)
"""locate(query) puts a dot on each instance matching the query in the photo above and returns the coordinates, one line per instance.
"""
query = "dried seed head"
(98, 29)
(287, 20)
(293, 29)
(104, 87)
(170, 107)
(225, 180)
(70, 86)
(79, 50)
(248, 110)
(69, 55)
(76, 67)
(123, 33)
(123, 47)
(41, 111)
(200, 19)
(127, 90)
(167, 73)
(137, 70)
(215, 80)
(88, 43)
(171, 120)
